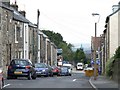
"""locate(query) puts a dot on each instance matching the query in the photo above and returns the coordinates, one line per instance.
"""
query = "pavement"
(104, 83)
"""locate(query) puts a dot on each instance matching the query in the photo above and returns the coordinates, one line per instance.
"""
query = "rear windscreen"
(80, 65)
(21, 62)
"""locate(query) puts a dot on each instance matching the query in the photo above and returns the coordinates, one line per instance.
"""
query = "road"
(77, 80)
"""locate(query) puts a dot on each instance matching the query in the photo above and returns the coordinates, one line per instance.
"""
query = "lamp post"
(97, 17)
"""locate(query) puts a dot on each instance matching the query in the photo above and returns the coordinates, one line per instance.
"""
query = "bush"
(109, 67)
(117, 53)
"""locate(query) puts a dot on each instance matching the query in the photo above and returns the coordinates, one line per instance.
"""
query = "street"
(77, 80)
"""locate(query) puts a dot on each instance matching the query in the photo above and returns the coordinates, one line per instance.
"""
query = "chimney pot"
(23, 13)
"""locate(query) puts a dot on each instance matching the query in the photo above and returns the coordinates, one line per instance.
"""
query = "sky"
(71, 18)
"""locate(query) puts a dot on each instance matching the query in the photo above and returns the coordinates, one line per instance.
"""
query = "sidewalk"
(103, 83)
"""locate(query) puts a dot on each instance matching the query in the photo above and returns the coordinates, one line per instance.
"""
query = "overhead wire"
(63, 27)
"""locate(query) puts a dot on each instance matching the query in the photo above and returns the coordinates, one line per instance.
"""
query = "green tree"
(58, 40)
(79, 56)
(54, 37)
(117, 53)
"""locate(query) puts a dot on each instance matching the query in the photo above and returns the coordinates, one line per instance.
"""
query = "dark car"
(1, 79)
(56, 70)
(43, 69)
(64, 71)
(21, 68)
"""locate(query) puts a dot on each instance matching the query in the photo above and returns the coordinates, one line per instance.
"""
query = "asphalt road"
(77, 80)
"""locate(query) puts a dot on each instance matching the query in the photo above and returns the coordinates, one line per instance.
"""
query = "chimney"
(23, 13)
(115, 8)
(6, 2)
(38, 14)
(15, 6)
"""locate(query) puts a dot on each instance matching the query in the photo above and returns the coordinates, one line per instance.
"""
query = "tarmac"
(104, 83)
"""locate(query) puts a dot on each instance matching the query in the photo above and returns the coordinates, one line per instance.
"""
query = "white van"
(79, 66)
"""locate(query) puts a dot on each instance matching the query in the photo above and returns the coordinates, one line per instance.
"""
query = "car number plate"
(17, 72)
(38, 72)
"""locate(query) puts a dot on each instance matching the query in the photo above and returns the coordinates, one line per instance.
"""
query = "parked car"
(56, 70)
(69, 66)
(1, 79)
(64, 71)
(43, 69)
(50, 69)
(21, 68)
(69, 70)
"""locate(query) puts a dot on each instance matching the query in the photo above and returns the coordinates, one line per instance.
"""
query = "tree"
(58, 40)
(54, 37)
(79, 56)
(117, 53)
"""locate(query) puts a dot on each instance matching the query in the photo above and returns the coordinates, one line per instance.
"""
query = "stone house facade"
(19, 38)
(6, 34)
(111, 37)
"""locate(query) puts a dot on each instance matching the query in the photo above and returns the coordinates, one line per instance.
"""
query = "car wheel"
(58, 74)
(47, 75)
(9, 77)
(51, 74)
(34, 76)
(29, 76)
(2, 83)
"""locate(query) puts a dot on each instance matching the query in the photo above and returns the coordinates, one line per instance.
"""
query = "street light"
(96, 17)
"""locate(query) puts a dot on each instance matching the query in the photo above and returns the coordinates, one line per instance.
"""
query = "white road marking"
(6, 85)
(74, 80)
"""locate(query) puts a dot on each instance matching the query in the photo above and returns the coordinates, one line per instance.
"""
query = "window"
(16, 39)
(0, 17)
(20, 30)
(25, 33)
(18, 33)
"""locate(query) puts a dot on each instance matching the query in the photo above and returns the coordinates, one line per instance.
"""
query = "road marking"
(74, 80)
(6, 85)
(92, 84)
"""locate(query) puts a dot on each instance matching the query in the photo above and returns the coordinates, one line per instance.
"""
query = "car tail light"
(27, 67)
(9, 67)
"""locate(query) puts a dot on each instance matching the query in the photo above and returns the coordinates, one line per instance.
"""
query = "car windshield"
(67, 67)
(21, 62)
(64, 68)
(40, 65)
(80, 65)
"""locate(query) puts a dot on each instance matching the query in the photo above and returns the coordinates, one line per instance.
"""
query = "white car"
(79, 66)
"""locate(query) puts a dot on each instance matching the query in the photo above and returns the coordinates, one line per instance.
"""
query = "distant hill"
(86, 47)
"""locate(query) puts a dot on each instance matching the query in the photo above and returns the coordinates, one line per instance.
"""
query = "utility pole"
(95, 65)
(95, 42)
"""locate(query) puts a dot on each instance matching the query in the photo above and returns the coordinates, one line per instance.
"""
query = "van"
(79, 66)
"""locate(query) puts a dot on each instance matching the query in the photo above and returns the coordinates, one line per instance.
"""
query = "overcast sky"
(71, 18)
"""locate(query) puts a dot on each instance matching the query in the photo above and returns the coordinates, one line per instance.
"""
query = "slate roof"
(19, 17)
(4, 6)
